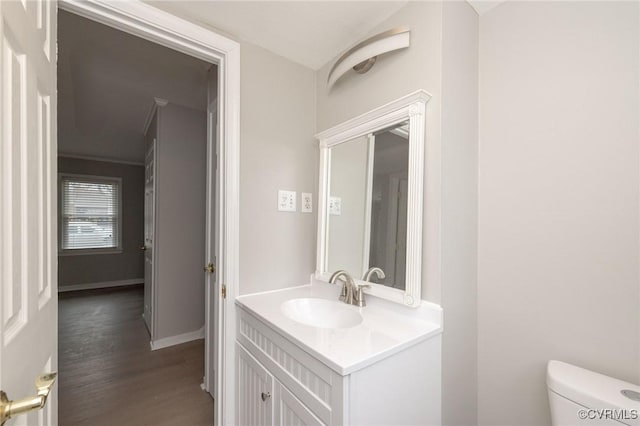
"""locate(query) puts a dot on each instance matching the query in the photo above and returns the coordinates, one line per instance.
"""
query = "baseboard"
(104, 284)
(177, 339)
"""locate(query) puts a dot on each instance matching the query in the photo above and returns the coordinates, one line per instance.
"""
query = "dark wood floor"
(108, 374)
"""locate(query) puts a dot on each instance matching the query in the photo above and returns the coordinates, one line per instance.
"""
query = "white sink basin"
(321, 313)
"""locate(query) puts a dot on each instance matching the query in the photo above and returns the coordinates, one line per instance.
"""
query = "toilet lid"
(592, 390)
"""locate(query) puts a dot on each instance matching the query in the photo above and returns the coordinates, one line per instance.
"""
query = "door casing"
(150, 23)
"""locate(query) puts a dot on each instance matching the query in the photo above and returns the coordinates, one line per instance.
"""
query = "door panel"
(28, 232)
(149, 227)
(214, 306)
(253, 381)
(290, 411)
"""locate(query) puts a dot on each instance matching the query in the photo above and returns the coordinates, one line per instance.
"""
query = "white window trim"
(90, 251)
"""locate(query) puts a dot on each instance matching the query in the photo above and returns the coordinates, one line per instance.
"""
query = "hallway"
(107, 373)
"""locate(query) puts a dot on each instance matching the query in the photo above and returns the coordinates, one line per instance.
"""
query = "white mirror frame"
(412, 108)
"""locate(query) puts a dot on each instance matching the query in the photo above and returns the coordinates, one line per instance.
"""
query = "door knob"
(143, 248)
(265, 396)
(210, 268)
(9, 409)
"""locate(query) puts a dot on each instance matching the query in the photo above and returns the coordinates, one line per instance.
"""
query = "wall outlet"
(335, 206)
(307, 202)
(286, 201)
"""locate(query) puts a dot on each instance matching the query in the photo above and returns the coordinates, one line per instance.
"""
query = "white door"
(214, 309)
(255, 391)
(149, 223)
(28, 226)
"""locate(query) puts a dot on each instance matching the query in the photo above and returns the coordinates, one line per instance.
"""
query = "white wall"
(558, 211)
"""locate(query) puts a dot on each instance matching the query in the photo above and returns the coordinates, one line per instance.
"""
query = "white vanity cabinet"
(263, 400)
(280, 382)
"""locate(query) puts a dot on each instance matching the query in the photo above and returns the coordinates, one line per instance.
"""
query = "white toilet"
(582, 397)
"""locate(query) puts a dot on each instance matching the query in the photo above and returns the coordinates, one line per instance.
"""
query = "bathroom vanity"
(306, 358)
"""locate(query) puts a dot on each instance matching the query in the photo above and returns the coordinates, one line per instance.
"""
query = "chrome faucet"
(373, 270)
(349, 287)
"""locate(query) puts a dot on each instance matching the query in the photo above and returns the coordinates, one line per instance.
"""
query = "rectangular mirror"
(370, 214)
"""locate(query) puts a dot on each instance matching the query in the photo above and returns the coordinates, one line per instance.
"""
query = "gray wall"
(348, 181)
(277, 151)
(460, 212)
(442, 60)
(558, 212)
(180, 220)
(129, 264)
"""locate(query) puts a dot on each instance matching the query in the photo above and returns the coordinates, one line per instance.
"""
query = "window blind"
(90, 213)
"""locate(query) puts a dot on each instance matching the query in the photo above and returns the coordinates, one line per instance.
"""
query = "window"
(90, 214)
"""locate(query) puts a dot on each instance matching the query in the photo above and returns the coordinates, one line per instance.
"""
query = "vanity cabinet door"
(255, 391)
(289, 411)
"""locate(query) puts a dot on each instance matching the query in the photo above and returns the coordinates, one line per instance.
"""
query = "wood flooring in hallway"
(109, 376)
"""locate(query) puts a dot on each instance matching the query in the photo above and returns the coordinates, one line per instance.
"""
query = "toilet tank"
(582, 397)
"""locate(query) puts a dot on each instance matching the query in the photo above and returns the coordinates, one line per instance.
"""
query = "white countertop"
(387, 328)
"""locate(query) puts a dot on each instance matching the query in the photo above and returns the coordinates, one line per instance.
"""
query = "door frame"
(145, 21)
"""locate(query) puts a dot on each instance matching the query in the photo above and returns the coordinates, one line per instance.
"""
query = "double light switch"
(287, 201)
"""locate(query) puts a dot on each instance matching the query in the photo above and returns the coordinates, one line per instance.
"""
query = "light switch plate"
(286, 201)
(335, 206)
(307, 202)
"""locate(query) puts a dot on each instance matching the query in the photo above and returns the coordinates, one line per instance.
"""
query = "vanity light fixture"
(362, 56)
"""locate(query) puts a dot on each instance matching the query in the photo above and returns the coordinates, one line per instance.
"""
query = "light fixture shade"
(388, 41)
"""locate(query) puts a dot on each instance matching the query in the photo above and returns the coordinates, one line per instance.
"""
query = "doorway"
(29, 335)
(132, 132)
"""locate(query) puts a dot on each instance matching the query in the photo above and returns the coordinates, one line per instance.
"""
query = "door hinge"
(224, 291)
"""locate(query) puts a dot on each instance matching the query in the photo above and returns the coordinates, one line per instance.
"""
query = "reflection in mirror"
(367, 224)
(347, 208)
(388, 242)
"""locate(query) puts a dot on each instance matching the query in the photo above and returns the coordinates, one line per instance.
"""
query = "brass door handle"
(210, 268)
(9, 409)
(143, 248)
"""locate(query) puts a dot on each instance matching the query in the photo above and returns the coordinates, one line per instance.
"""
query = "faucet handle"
(360, 295)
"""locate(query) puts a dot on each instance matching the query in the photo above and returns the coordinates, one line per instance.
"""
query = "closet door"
(149, 227)
(255, 391)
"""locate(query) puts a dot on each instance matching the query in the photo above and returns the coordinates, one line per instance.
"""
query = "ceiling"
(310, 33)
(107, 80)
